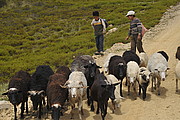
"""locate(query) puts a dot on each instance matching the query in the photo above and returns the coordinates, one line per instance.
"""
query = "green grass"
(53, 32)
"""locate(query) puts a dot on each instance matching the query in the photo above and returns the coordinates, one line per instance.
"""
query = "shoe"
(97, 53)
(101, 53)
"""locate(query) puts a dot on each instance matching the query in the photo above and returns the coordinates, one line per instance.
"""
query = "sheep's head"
(122, 66)
(36, 97)
(91, 69)
(14, 95)
(145, 74)
(161, 70)
(75, 88)
(56, 111)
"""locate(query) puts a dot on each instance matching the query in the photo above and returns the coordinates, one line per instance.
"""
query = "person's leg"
(139, 46)
(101, 43)
(97, 43)
(133, 43)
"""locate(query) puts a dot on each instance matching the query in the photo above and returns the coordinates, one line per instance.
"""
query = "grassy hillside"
(52, 32)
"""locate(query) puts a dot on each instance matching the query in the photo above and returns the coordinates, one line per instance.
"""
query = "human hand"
(139, 37)
(104, 32)
(127, 38)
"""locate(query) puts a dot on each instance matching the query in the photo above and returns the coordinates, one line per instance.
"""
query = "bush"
(52, 32)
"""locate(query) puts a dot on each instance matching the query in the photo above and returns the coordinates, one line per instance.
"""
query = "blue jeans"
(99, 42)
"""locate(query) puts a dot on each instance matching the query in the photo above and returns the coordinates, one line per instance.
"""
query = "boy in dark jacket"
(99, 31)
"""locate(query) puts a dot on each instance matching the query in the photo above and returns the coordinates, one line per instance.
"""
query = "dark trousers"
(99, 43)
(135, 42)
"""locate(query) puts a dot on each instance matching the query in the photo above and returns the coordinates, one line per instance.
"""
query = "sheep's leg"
(105, 108)
(140, 89)
(128, 88)
(121, 89)
(176, 85)
(15, 112)
(144, 88)
(155, 83)
(44, 102)
(97, 111)
(102, 111)
(40, 110)
(88, 97)
(134, 89)
(114, 106)
(152, 79)
(72, 108)
(92, 105)
(82, 112)
(22, 109)
(126, 83)
(48, 108)
(158, 86)
(80, 108)
(27, 106)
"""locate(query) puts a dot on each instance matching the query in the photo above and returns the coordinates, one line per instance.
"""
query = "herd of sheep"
(85, 80)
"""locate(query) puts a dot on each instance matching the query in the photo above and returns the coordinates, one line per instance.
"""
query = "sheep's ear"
(117, 83)
(151, 74)
(99, 66)
(5, 93)
(81, 83)
(140, 73)
(41, 92)
(102, 72)
(86, 66)
(67, 82)
(31, 93)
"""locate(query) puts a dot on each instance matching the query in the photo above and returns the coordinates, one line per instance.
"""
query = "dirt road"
(165, 36)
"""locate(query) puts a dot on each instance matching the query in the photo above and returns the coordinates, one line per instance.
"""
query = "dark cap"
(95, 13)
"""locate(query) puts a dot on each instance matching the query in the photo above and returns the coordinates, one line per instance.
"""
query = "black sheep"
(18, 91)
(87, 65)
(38, 86)
(131, 56)
(117, 67)
(101, 91)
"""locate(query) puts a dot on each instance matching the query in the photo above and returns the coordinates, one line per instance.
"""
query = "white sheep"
(143, 59)
(77, 86)
(158, 66)
(132, 75)
(177, 73)
(112, 79)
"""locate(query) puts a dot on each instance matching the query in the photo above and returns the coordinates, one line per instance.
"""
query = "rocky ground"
(164, 36)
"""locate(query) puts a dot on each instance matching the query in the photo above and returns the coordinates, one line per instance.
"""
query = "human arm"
(104, 26)
(139, 29)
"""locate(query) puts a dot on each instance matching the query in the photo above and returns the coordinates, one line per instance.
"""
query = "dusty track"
(165, 36)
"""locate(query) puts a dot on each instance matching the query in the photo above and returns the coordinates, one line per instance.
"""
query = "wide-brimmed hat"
(130, 13)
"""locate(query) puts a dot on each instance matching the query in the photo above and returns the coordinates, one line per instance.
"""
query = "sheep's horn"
(63, 86)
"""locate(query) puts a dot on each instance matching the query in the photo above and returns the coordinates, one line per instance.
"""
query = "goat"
(18, 91)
